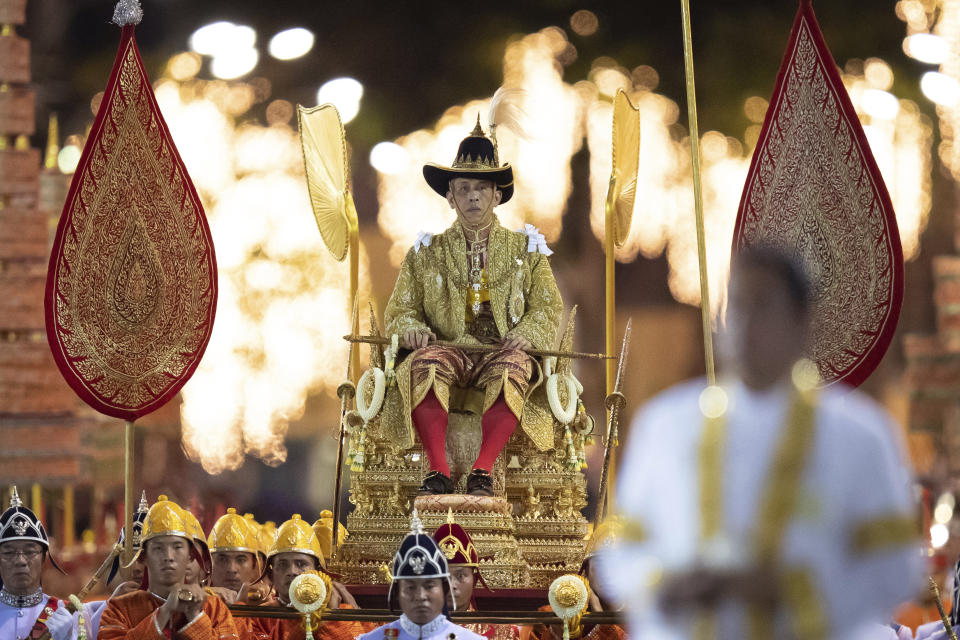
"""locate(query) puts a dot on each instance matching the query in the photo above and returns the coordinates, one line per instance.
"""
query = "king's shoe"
(479, 483)
(435, 483)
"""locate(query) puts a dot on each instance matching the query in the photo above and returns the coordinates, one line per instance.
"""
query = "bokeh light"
(184, 66)
(283, 300)
(344, 94)
(234, 64)
(68, 159)
(941, 89)
(584, 23)
(926, 47)
(389, 158)
(291, 43)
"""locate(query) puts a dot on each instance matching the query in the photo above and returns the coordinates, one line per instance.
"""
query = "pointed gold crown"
(604, 536)
(232, 532)
(296, 535)
(165, 518)
(323, 528)
(476, 151)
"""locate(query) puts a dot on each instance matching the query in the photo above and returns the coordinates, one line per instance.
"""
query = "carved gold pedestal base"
(532, 530)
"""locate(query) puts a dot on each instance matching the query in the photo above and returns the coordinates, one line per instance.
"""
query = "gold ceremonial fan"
(328, 182)
(328, 176)
(626, 161)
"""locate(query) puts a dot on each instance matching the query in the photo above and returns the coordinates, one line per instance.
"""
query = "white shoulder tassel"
(127, 12)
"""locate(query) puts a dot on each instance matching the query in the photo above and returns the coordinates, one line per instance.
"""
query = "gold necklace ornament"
(476, 257)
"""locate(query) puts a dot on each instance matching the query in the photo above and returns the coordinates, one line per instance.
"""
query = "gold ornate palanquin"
(530, 532)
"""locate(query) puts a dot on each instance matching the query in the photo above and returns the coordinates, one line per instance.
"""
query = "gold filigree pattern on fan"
(134, 284)
(812, 192)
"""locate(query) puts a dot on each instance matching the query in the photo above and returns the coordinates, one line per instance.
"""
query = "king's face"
(473, 200)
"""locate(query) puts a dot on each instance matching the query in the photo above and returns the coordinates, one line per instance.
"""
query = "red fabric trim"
(40, 626)
(179, 180)
(871, 357)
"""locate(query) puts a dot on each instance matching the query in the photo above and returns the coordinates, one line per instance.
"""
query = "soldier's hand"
(191, 602)
(227, 595)
(345, 596)
(516, 341)
(124, 588)
(418, 338)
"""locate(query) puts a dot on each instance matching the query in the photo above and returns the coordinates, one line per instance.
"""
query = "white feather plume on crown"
(506, 109)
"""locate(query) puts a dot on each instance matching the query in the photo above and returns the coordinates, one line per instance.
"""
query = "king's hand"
(418, 338)
(516, 341)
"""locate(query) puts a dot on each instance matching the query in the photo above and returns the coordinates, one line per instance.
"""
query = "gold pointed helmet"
(296, 535)
(268, 532)
(165, 518)
(194, 528)
(604, 536)
(232, 532)
(324, 530)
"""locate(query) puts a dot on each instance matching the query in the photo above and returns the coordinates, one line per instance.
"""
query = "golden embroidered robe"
(431, 293)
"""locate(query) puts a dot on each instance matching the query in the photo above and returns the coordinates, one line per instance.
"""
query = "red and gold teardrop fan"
(814, 189)
(132, 283)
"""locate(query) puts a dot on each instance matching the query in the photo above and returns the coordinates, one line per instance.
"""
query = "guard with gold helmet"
(169, 604)
(323, 527)
(463, 560)
(235, 552)
(603, 538)
(295, 551)
(198, 571)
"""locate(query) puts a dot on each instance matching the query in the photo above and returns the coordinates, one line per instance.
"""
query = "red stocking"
(497, 426)
(430, 420)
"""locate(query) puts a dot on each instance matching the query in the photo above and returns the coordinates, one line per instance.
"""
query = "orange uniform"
(131, 617)
(494, 631)
(292, 629)
(596, 632)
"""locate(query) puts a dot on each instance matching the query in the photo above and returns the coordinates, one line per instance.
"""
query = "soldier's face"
(21, 562)
(461, 580)
(232, 568)
(286, 567)
(167, 560)
(421, 599)
(473, 200)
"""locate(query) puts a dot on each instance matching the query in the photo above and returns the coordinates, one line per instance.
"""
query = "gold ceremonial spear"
(615, 402)
(486, 348)
(935, 591)
(324, 146)
(697, 192)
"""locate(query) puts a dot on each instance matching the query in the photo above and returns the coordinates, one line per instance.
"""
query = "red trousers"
(430, 420)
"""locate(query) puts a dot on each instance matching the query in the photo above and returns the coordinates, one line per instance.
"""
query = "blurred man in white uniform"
(763, 507)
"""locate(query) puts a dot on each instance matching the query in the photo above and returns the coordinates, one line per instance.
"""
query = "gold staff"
(324, 147)
(618, 213)
(698, 193)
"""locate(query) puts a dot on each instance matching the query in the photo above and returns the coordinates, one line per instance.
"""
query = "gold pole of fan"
(698, 193)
